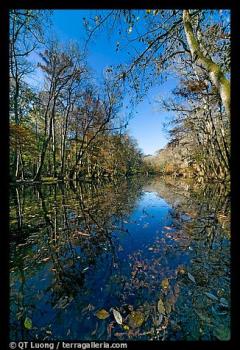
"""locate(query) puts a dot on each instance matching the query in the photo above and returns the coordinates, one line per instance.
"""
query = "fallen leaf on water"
(191, 277)
(165, 283)
(222, 333)
(117, 316)
(118, 334)
(158, 320)
(82, 233)
(168, 307)
(180, 270)
(203, 317)
(126, 328)
(102, 314)
(218, 310)
(136, 319)
(211, 296)
(224, 302)
(160, 306)
(28, 323)
(46, 259)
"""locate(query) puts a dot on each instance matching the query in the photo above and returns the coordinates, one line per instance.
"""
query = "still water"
(137, 259)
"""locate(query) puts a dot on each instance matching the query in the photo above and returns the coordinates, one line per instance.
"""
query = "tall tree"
(60, 70)
(25, 34)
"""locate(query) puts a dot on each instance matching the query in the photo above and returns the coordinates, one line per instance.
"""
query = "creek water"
(156, 251)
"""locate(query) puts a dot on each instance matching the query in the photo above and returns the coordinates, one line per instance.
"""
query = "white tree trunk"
(214, 70)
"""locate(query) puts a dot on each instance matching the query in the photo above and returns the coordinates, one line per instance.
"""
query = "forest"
(72, 127)
(119, 213)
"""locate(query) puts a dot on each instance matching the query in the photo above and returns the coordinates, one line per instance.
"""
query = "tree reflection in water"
(156, 251)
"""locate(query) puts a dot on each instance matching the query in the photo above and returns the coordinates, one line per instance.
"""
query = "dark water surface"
(154, 252)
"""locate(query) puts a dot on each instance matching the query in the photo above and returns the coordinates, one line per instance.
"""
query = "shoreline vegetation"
(73, 126)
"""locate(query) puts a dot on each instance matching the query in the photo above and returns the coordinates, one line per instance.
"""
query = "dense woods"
(72, 127)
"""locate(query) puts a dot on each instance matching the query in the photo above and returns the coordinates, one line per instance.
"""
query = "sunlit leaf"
(136, 319)
(160, 307)
(45, 259)
(82, 233)
(165, 283)
(102, 314)
(117, 316)
(28, 323)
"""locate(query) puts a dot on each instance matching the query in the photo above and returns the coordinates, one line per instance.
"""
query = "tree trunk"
(54, 148)
(216, 75)
(44, 149)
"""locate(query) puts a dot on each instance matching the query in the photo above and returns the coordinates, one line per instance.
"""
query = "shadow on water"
(139, 259)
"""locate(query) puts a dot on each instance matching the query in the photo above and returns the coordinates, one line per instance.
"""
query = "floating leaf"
(203, 317)
(102, 314)
(224, 302)
(126, 328)
(191, 277)
(211, 296)
(165, 283)
(82, 233)
(148, 11)
(222, 333)
(160, 306)
(117, 316)
(218, 310)
(136, 319)
(181, 270)
(28, 323)
(168, 307)
(45, 259)
(157, 321)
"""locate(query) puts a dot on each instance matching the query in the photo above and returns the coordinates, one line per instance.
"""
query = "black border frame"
(4, 147)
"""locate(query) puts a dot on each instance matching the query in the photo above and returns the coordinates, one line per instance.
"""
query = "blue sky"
(147, 125)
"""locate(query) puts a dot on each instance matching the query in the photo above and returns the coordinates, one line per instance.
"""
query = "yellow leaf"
(148, 11)
(102, 314)
(165, 283)
(28, 323)
(136, 319)
(161, 308)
